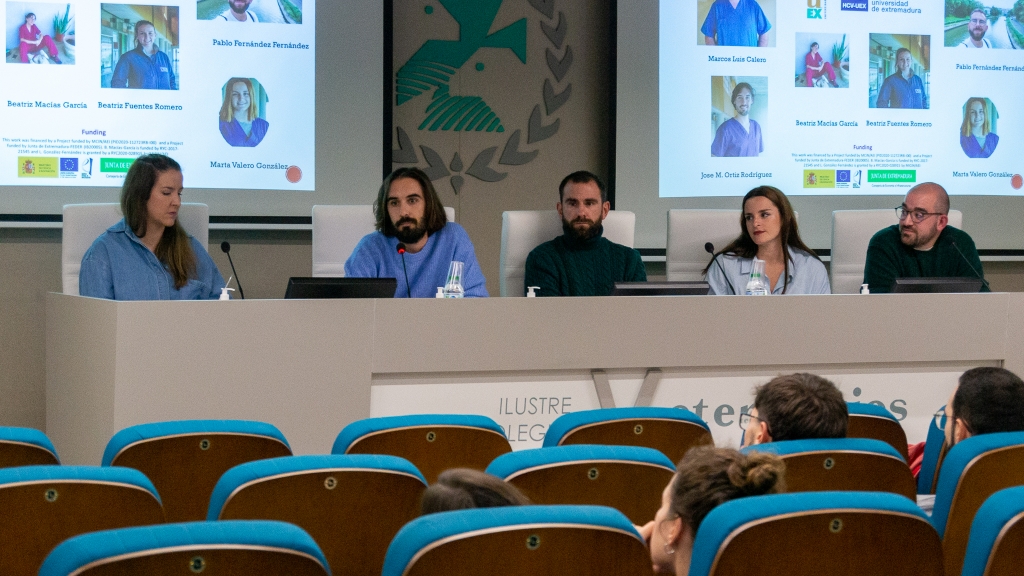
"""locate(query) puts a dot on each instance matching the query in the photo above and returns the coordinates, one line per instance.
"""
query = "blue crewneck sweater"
(376, 256)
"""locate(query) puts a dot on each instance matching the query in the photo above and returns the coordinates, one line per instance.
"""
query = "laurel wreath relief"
(537, 130)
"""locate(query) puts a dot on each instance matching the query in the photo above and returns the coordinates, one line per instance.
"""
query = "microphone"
(401, 251)
(980, 277)
(710, 249)
(226, 248)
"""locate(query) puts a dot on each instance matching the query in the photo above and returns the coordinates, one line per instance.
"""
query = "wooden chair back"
(436, 448)
(673, 438)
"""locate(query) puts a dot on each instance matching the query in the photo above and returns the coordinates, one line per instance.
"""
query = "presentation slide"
(225, 87)
(840, 97)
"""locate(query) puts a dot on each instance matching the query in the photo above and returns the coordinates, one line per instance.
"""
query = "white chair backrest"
(688, 232)
(83, 224)
(337, 230)
(524, 230)
(851, 232)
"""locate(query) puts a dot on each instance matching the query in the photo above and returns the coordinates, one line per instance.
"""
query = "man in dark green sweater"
(580, 262)
(922, 245)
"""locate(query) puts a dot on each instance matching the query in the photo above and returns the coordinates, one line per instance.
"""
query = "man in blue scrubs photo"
(904, 89)
(736, 23)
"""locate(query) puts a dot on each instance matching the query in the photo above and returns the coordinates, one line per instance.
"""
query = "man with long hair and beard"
(408, 211)
(581, 262)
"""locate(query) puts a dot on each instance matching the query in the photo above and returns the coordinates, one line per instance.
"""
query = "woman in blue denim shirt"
(148, 255)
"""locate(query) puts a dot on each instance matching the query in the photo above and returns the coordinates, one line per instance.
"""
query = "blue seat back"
(141, 433)
(328, 496)
(25, 447)
(858, 464)
(265, 547)
(627, 478)
(973, 470)
(519, 541)
(873, 421)
(671, 431)
(432, 442)
(835, 533)
(933, 449)
(997, 535)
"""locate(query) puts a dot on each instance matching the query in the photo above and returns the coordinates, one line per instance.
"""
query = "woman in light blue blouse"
(148, 255)
(768, 231)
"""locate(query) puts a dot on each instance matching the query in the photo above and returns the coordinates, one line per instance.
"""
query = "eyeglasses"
(744, 420)
(939, 419)
(915, 215)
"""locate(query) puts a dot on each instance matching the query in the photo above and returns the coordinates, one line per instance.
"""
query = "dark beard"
(409, 235)
(236, 10)
(592, 232)
(980, 35)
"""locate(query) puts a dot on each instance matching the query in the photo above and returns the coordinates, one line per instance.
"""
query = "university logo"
(854, 5)
(426, 80)
(816, 9)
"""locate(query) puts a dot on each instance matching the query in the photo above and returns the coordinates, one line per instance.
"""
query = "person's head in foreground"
(408, 208)
(463, 488)
(145, 36)
(977, 25)
(150, 200)
(986, 400)
(705, 478)
(923, 215)
(742, 98)
(904, 62)
(582, 205)
(976, 120)
(795, 407)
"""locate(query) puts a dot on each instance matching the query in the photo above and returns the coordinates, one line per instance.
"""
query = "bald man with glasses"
(922, 245)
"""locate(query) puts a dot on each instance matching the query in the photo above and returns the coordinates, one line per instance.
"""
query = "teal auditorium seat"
(352, 505)
(221, 548)
(873, 421)
(519, 541)
(41, 506)
(25, 447)
(973, 470)
(814, 533)
(627, 478)
(185, 458)
(996, 545)
(432, 442)
(830, 464)
(672, 431)
(934, 451)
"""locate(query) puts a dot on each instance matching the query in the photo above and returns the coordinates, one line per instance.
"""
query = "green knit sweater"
(567, 267)
(889, 259)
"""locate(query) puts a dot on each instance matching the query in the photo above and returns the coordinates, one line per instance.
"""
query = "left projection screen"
(231, 89)
(231, 101)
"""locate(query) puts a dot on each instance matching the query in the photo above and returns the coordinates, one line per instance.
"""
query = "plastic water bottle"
(453, 285)
(758, 284)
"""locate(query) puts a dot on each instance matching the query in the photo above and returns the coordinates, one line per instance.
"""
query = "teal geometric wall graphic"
(433, 65)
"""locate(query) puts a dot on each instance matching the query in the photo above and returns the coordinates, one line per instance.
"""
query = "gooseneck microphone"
(710, 249)
(226, 248)
(401, 251)
(973, 269)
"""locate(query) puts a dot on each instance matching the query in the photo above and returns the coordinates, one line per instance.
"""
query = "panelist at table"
(409, 212)
(768, 231)
(148, 255)
(581, 262)
(922, 245)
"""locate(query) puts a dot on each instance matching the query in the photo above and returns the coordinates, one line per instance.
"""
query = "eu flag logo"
(842, 175)
(69, 164)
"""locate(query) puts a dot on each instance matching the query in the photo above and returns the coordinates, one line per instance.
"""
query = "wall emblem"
(425, 81)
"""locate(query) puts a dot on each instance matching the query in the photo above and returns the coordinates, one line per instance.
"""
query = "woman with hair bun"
(705, 478)
(768, 232)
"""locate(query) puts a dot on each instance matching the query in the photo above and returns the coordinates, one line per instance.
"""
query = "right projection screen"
(840, 97)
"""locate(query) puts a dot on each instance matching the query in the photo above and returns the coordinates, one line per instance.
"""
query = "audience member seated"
(148, 255)
(986, 400)
(462, 488)
(409, 212)
(922, 245)
(705, 478)
(795, 407)
(581, 262)
(768, 231)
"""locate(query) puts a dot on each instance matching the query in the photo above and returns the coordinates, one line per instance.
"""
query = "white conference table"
(312, 366)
